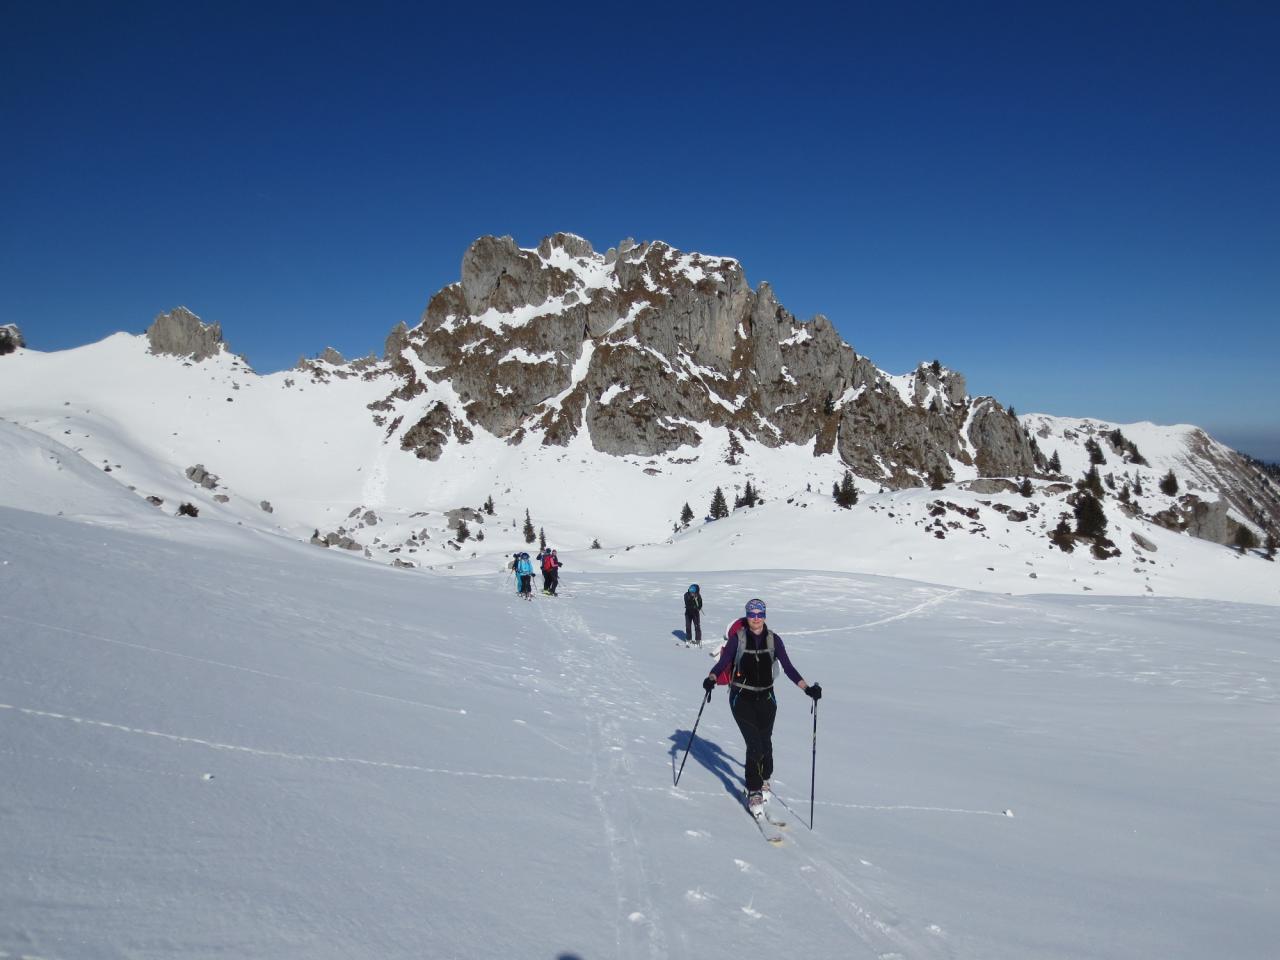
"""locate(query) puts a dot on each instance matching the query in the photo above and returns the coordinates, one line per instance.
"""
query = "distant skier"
(753, 653)
(524, 576)
(550, 572)
(693, 614)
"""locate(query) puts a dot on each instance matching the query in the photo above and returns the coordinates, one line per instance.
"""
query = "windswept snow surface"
(219, 743)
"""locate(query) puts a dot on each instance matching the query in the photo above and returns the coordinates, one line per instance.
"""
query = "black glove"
(814, 690)
(709, 684)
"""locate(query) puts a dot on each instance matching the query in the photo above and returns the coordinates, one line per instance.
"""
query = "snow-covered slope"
(239, 745)
(295, 454)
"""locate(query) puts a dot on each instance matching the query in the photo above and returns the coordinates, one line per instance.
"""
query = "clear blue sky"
(1077, 208)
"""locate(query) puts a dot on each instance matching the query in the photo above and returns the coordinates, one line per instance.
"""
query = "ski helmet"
(693, 588)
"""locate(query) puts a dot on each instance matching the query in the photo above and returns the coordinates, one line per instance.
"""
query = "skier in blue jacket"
(751, 693)
(524, 576)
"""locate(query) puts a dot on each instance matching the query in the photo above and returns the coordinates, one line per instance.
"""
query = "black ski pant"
(754, 712)
(693, 621)
(551, 580)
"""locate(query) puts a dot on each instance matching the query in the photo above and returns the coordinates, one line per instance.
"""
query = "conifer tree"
(1137, 484)
(1091, 519)
(1055, 465)
(463, 532)
(686, 515)
(488, 506)
(529, 534)
(1169, 484)
(1026, 489)
(846, 494)
(1062, 537)
(1245, 539)
(719, 509)
(1091, 482)
(595, 544)
(1270, 546)
(735, 448)
(542, 539)
(1095, 451)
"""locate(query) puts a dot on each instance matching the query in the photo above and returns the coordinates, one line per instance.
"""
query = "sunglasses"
(755, 614)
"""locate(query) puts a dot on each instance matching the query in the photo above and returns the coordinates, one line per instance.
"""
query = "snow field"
(237, 744)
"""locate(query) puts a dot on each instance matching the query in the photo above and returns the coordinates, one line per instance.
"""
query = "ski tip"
(776, 841)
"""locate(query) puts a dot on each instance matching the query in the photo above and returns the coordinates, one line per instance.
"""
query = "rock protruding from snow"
(198, 474)
(181, 333)
(10, 338)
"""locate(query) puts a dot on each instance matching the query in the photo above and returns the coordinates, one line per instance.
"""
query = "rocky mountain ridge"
(646, 348)
(646, 351)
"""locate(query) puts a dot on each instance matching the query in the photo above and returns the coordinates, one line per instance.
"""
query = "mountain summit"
(646, 348)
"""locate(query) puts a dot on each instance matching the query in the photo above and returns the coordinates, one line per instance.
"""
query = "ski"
(763, 823)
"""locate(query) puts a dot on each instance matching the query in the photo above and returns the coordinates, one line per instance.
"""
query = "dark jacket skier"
(693, 614)
(751, 693)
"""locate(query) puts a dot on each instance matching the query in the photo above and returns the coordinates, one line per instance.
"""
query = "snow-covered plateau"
(217, 739)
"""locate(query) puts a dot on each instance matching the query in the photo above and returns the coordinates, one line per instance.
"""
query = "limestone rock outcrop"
(647, 347)
(181, 333)
(10, 338)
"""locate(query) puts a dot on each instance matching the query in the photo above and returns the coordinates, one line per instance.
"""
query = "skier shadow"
(708, 754)
(680, 635)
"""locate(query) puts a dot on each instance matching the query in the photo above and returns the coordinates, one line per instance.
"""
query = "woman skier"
(753, 652)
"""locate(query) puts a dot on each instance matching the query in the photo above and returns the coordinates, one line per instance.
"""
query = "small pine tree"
(937, 479)
(686, 515)
(1091, 519)
(1137, 484)
(1095, 451)
(735, 448)
(1124, 494)
(479, 534)
(1091, 483)
(542, 539)
(749, 497)
(595, 544)
(1026, 489)
(937, 368)
(1013, 413)
(1169, 484)
(1245, 539)
(1062, 537)
(1055, 465)
(529, 534)
(846, 494)
(488, 506)
(1270, 545)
(463, 532)
(719, 509)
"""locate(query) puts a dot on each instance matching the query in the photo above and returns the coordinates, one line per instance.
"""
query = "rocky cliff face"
(645, 348)
(10, 339)
(181, 333)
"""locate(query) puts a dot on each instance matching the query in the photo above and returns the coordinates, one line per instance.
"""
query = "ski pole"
(813, 769)
(705, 701)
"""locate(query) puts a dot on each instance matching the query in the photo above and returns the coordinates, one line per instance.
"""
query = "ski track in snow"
(639, 929)
(232, 666)
(917, 609)
(282, 754)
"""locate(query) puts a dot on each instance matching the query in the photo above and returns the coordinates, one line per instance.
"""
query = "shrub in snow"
(188, 510)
